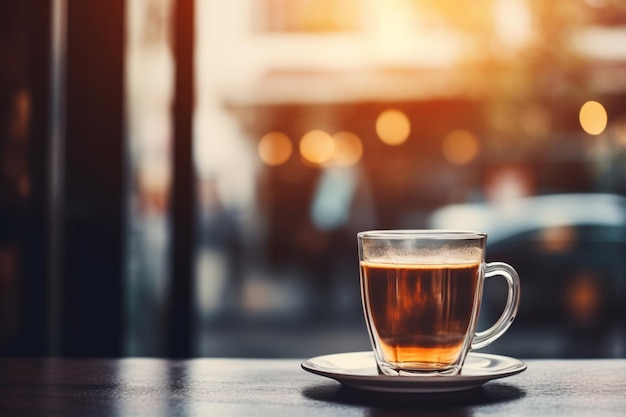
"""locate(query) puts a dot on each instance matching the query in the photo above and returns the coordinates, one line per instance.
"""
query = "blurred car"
(570, 252)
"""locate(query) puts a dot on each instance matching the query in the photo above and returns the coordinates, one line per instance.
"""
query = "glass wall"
(317, 119)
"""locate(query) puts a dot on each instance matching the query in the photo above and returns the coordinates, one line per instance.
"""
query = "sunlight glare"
(513, 21)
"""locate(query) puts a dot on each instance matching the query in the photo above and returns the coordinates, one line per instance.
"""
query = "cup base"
(391, 370)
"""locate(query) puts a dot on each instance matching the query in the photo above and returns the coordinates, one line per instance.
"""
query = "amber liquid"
(420, 315)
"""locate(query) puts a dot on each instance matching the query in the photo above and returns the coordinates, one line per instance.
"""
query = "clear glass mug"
(421, 292)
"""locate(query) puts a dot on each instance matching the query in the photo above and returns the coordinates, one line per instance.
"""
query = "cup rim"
(445, 234)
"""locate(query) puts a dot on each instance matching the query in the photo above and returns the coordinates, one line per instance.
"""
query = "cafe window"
(194, 180)
(314, 120)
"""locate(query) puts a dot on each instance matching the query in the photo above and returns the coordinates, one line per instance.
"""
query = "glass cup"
(421, 292)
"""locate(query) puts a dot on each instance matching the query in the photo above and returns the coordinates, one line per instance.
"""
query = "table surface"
(279, 387)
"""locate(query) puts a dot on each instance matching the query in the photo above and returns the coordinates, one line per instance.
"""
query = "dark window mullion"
(93, 192)
(183, 195)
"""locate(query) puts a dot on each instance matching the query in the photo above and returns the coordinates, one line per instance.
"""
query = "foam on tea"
(433, 255)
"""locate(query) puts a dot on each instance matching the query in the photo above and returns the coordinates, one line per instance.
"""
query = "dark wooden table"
(262, 387)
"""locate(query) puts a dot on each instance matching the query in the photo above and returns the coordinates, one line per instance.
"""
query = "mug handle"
(492, 269)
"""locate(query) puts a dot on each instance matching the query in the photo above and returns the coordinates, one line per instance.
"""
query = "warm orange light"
(275, 148)
(535, 121)
(558, 239)
(317, 146)
(393, 127)
(593, 117)
(583, 297)
(460, 147)
(154, 178)
(348, 149)
(619, 132)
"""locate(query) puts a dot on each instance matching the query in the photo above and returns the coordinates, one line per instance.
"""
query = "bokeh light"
(275, 148)
(460, 147)
(317, 146)
(348, 149)
(593, 117)
(393, 127)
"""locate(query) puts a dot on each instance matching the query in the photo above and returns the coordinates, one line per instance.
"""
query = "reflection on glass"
(132, 374)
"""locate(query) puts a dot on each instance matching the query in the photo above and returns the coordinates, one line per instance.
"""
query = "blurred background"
(186, 178)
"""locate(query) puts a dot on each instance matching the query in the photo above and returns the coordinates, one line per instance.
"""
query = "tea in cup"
(421, 292)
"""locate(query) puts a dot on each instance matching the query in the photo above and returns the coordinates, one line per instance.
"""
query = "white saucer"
(358, 370)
